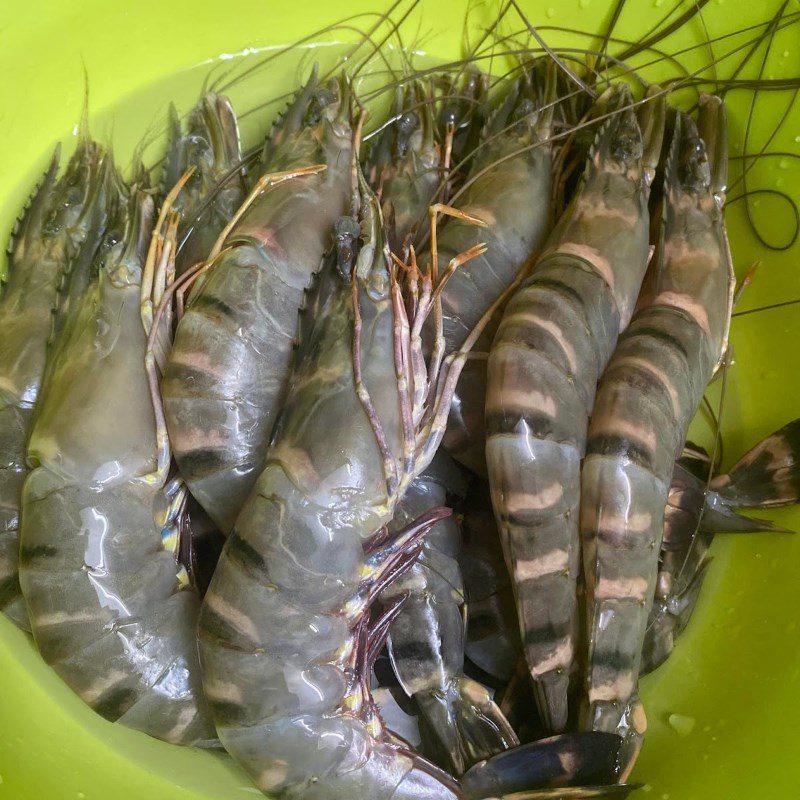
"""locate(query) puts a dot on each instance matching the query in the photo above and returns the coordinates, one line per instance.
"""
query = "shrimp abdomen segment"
(100, 585)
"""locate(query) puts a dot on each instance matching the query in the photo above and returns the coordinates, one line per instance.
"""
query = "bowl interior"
(736, 670)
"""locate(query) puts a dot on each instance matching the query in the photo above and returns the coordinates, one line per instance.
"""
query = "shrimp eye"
(320, 100)
(628, 148)
(406, 126)
(449, 116)
(347, 231)
(524, 109)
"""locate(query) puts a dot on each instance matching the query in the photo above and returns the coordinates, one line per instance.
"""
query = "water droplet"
(706, 729)
(682, 725)
(783, 163)
(551, 12)
(658, 3)
(761, 555)
(797, 139)
(705, 756)
(584, 3)
(81, 795)
(786, 54)
(647, 788)
(665, 796)
(1, 779)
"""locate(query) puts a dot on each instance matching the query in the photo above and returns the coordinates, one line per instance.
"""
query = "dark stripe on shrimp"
(204, 461)
(660, 334)
(611, 660)
(216, 628)
(242, 552)
(28, 554)
(412, 650)
(550, 633)
(616, 446)
(538, 425)
(226, 712)
(564, 289)
(9, 590)
(207, 302)
(113, 705)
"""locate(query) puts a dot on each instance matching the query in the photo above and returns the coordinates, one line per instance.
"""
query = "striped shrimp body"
(227, 373)
(767, 476)
(288, 630)
(557, 334)
(427, 639)
(508, 185)
(101, 588)
(59, 230)
(646, 399)
(210, 144)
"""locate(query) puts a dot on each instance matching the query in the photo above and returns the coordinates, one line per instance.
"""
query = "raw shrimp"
(768, 476)
(207, 203)
(510, 170)
(59, 231)
(287, 630)
(226, 376)
(426, 640)
(102, 591)
(557, 334)
(645, 401)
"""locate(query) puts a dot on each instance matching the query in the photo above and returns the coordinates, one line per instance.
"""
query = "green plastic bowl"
(736, 671)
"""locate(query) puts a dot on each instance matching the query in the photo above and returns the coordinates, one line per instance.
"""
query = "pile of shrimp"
(362, 454)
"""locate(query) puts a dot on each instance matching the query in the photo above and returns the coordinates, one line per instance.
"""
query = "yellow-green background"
(736, 671)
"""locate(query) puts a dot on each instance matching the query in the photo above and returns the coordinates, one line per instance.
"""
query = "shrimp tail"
(766, 476)
(473, 724)
(576, 762)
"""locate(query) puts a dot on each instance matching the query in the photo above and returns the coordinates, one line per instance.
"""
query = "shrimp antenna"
(561, 65)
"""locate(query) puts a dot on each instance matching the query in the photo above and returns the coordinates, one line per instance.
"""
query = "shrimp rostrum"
(106, 608)
(646, 399)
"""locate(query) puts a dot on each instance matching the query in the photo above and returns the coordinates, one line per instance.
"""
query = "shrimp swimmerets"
(557, 333)
(226, 376)
(59, 231)
(646, 399)
(102, 591)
